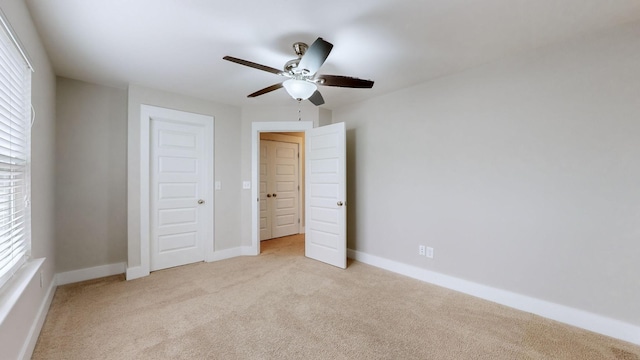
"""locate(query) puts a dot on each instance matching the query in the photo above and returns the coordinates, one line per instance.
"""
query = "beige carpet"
(281, 305)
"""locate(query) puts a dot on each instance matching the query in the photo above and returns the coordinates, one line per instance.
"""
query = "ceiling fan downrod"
(300, 48)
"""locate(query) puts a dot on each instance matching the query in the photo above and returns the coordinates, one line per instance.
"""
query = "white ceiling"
(178, 45)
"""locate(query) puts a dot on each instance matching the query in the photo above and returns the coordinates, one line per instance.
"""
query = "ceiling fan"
(302, 82)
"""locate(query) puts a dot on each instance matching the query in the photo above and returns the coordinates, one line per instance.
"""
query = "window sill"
(14, 288)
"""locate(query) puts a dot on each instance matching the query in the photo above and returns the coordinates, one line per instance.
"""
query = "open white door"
(326, 194)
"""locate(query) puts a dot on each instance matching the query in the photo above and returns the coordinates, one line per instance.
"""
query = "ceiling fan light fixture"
(299, 89)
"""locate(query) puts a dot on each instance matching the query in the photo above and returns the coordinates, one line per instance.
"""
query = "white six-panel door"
(326, 213)
(181, 206)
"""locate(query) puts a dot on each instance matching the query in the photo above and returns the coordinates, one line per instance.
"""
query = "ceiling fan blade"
(316, 98)
(315, 56)
(266, 90)
(253, 65)
(344, 81)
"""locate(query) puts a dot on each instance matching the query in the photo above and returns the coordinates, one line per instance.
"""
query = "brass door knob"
(274, 195)
(268, 195)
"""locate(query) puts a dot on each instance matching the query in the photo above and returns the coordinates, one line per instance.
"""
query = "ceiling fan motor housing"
(300, 48)
(291, 65)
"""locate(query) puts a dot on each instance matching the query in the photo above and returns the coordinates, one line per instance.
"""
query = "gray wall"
(15, 329)
(522, 174)
(91, 196)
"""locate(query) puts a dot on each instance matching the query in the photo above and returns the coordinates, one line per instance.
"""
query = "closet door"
(181, 198)
(279, 190)
(284, 198)
(265, 216)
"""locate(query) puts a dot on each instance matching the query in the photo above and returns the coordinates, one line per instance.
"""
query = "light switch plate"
(429, 252)
(246, 184)
(218, 185)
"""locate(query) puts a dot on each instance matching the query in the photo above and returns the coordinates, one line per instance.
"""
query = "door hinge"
(298, 221)
(298, 187)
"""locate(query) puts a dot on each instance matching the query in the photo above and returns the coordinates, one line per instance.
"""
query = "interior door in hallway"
(279, 190)
(181, 204)
(326, 194)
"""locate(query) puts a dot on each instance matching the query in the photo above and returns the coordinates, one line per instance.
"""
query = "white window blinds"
(15, 134)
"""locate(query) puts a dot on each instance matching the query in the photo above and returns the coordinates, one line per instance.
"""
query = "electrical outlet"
(430, 252)
(421, 250)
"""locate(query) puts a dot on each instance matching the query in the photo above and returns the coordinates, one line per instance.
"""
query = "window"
(15, 148)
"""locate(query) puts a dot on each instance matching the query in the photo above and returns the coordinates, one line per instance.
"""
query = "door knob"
(200, 202)
(274, 195)
(340, 203)
(268, 195)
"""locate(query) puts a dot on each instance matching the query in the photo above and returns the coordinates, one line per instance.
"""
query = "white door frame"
(146, 113)
(256, 129)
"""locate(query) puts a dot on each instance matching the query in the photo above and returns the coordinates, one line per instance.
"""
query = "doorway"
(258, 128)
(325, 168)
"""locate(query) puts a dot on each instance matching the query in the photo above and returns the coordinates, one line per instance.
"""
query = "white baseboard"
(231, 253)
(568, 315)
(89, 273)
(36, 327)
(135, 272)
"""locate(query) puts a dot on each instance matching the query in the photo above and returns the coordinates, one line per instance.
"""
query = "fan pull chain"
(299, 111)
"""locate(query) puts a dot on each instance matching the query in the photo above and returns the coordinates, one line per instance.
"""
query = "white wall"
(522, 174)
(91, 196)
(226, 157)
(23, 320)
